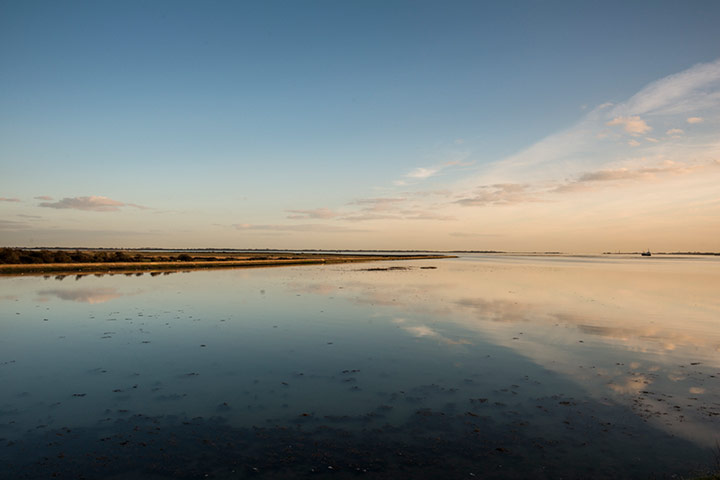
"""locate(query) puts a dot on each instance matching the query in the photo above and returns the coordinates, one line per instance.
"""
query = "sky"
(463, 125)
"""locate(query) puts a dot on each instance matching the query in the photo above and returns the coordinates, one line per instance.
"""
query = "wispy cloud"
(692, 120)
(397, 208)
(685, 92)
(673, 132)
(626, 173)
(590, 180)
(600, 139)
(422, 172)
(12, 200)
(44, 197)
(500, 194)
(378, 204)
(308, 227)
(364, 217)
(459, 159)
(321, 213)
(426, 215)
(93, 203)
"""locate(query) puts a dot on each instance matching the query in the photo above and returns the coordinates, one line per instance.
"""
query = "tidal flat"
(482, 366)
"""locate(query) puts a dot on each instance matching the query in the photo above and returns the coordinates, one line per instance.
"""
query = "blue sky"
(344, 124)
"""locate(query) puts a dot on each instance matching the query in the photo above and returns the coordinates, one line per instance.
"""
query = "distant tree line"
(20, 256)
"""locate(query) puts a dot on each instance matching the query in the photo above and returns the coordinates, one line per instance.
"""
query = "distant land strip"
(21, 261)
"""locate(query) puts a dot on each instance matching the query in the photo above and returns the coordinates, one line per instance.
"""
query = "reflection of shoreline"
(43, 268)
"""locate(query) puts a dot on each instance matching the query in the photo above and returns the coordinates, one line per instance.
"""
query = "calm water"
(484, 366)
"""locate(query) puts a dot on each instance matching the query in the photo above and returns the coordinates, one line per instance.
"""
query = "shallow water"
(486, 366)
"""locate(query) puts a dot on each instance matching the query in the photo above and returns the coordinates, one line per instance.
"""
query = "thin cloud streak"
(378, 204)
(423, 173)
(500, 194)
(310, 227)
(92, 203)
(320, 213)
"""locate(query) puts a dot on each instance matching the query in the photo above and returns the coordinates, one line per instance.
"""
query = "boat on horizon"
(647, 253)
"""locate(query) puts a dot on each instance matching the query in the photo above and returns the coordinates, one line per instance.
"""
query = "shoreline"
(120, 267)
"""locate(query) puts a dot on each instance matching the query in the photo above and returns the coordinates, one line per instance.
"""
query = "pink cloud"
(93, 203)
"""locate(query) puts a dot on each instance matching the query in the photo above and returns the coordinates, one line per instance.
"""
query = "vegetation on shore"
(21, 256)
(18, 261)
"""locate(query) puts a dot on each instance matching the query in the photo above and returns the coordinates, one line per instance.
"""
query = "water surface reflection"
(502, 366)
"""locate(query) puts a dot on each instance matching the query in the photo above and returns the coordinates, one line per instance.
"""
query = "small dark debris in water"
(695, 363)
(350, 371)
(203, 345)
(329, 343)
(191, 374)
(79, 394)
(145, 341)
(428, 268)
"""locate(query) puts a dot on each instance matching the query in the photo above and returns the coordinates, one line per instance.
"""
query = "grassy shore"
(153, 261)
